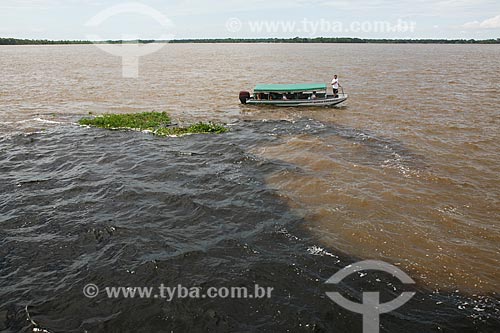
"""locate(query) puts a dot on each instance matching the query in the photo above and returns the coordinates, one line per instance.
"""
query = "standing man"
(335, 86)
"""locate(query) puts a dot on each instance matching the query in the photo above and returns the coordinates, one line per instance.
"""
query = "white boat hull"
(328, 101)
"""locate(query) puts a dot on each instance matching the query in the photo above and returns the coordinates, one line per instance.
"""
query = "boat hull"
(329, 101)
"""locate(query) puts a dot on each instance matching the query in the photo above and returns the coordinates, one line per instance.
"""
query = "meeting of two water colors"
(285, 199)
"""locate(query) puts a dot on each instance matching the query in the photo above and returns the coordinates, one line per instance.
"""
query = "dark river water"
(406, 172)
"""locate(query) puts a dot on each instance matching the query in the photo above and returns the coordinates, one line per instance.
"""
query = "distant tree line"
(14, 41)
(341, 40)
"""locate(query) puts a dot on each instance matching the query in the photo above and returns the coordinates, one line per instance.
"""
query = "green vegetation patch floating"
(137, 121)
(193, 129)
(158, 123)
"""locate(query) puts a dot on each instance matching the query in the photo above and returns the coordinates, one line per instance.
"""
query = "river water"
(406, 172)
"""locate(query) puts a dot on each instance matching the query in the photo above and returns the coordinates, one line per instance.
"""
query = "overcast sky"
(58, 19)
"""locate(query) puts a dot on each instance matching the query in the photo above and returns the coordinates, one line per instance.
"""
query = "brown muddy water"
(406, 172)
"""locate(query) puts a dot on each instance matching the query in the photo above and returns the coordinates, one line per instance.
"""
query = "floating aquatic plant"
(198, 128)
(158, 123)
(136, 121)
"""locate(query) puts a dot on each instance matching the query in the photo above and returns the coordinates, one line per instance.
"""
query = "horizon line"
(332, 40)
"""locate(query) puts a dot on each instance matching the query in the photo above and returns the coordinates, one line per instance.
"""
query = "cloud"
(491, 23)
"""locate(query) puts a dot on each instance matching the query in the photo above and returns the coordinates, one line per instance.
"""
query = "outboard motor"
(244, 97)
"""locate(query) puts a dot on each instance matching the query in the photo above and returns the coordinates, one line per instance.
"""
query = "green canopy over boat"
(289, 88)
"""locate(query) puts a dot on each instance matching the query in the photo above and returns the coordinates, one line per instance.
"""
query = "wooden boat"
(309, 94)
